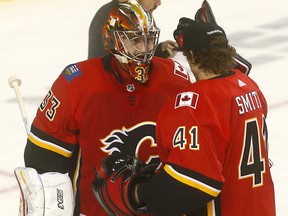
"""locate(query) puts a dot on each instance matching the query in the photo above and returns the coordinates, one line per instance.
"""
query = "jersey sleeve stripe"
(191, 182)
(211, 208)
(49, 146)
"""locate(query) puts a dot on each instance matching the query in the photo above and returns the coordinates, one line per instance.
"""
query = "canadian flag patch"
(187, 99)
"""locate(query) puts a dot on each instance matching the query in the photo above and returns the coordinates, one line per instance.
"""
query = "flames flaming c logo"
(138, 141)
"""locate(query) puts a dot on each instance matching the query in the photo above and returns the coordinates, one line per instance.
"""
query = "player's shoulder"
(169, 68)
(82, 70)
(244, 80)
(214, 90)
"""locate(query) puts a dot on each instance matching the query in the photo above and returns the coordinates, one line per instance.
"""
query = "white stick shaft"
(21, 106)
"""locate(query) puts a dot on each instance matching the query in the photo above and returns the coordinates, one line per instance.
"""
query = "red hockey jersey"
(213, 138)
(97, 106)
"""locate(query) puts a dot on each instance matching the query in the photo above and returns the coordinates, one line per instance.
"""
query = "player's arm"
(176, 191)
(45, 185)
(184, 185)
(192, 176)
(52, 140)
(49, 157)
(46, 153)
(123, 186)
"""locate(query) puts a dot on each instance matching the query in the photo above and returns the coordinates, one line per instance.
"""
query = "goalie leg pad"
(32, 199)
(48, 194)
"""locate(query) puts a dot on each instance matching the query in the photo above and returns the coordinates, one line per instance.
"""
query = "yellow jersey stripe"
(76, 173)
(211, 208)
(49, 146)
(191, 182)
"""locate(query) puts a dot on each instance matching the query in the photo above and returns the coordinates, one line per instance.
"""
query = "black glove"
(183, 24)
(115, 181)
(205, 14)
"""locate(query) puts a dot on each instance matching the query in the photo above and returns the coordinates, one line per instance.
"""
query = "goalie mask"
(131, 35)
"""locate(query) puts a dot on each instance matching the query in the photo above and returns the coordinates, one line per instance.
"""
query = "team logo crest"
(138, 141)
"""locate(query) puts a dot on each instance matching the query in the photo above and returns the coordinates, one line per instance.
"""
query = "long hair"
(218, 59)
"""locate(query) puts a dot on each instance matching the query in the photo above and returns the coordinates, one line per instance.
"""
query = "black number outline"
(252, 163)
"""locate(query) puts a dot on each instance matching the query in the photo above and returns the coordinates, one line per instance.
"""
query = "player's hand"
(114, 189)
(165, 49)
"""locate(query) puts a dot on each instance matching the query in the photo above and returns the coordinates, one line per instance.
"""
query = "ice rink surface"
(38, 38)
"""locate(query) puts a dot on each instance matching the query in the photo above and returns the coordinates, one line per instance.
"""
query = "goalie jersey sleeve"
(212, 139)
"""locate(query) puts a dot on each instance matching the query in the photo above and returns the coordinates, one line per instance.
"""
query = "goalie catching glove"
(115, 182)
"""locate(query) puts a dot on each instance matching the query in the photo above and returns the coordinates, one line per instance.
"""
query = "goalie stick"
(15, 82)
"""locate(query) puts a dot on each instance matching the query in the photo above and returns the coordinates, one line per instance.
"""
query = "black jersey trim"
(45, 141)
(194, 179)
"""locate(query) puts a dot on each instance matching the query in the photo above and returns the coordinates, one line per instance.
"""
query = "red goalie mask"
(131, 35)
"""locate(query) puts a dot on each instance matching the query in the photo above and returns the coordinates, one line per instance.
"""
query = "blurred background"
(38, 38)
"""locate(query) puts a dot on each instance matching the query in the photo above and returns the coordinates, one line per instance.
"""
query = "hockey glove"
(184, 23)
(205, 14)
(115, 182)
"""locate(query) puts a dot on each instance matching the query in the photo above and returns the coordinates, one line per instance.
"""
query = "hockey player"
(211, 138)
(96, 47)
(102, 105)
